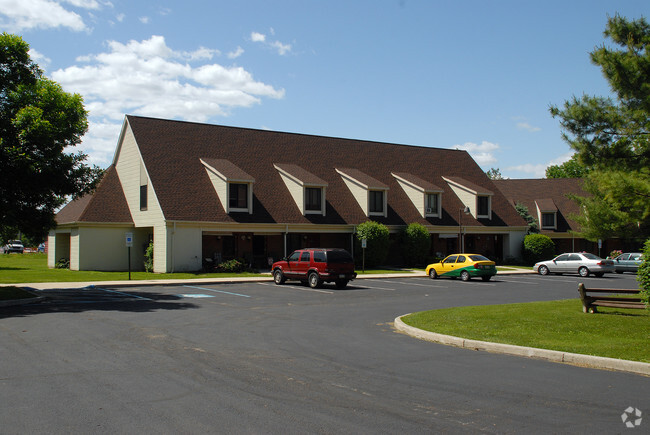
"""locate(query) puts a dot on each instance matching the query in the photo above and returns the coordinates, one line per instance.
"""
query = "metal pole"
(129, 263)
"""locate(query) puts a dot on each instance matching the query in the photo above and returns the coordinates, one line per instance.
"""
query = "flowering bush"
(615, 253)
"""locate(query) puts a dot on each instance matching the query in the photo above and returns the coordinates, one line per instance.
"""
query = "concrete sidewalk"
(214, 280)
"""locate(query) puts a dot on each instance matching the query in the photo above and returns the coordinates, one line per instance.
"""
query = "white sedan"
(582, 263)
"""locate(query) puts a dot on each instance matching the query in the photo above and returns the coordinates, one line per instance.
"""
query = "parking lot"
(256, 357)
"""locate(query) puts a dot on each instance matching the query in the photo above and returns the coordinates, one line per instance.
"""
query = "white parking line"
(292, 287)
(217, 291)
(420, 285)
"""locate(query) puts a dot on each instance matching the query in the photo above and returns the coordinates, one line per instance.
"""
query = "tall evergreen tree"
(611, 135)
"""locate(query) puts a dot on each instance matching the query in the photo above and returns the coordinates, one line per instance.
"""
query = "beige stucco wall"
(296, 191)
(104, 249)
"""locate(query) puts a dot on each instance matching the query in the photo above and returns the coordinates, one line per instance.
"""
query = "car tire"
(543, 270)
(464, 275)
(314, 280)
(341, 283)
(486, 278)
(278, 277)
(583, 272)
(433, 274)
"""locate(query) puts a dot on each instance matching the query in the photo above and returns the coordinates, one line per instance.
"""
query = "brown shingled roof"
(300, 174)
(171, 151)
(107, 204)
(528, 191)
(227, 169)
(417, 181)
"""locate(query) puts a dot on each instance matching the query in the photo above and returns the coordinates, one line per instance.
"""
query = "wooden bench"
(591, 298)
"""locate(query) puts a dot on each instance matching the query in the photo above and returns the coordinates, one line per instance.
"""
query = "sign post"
(129, 244)
(364, 244)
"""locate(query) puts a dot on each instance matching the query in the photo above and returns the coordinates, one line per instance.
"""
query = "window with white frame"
(238, 196)
(548, 220)
(431, 203)
(313, 199)
(483, 206)
(376, 201)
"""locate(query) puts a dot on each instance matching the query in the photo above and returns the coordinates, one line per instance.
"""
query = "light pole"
(461, 242)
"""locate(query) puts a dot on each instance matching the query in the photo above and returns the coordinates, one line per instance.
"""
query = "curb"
(597, 362)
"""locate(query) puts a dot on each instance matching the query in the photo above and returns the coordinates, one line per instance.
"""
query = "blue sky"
(475, 75)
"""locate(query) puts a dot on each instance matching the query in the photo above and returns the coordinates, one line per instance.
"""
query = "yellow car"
(464, 266)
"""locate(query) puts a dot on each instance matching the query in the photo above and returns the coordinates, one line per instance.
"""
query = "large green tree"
(572, 168)
(611, 135)
(39, 124)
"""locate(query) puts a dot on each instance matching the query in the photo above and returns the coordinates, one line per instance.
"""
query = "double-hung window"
(313, 198)
(238, 197)
(376, 201)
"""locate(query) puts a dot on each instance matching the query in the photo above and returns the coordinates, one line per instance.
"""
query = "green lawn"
(21, 268)
(555, 325)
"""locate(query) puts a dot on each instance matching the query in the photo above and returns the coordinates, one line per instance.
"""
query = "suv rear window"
(319, 257)
(339, 257)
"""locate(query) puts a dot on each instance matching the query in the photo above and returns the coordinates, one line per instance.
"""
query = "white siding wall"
(74, 249)
(128, 169)
(360, 193)
(51, 249)
(129, 166)
(415, 195)
(513, 244)
(296, 190)
(220, 186)
(467, 198)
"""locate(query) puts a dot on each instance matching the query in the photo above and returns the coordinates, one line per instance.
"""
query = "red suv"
(316, 266)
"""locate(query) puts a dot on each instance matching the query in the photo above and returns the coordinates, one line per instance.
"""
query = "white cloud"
(281, 48)
(539, 170)
(235, 54)
(149, 78)
(42, 60)
(483, 153)
(144, 20)
(21, 15)
(528, 127)
(258, 37)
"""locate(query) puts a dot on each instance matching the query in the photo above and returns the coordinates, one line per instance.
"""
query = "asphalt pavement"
(252, 357)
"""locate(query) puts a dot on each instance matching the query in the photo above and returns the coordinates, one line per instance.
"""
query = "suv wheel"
(314, 280)
(341, 283)
(278, 277)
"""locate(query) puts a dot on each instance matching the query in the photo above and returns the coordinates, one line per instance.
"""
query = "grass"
(555, 325)
(21, 268)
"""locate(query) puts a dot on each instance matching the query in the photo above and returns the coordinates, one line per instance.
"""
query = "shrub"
(231, 266)
(643, 275)
(148, 258)
(538, 247)
(615, 253)
(416, 243)
(378, 241)
(63, 263)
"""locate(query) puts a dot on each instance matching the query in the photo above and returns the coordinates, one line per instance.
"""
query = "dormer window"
(313, 199)
(376, 202)
(370, 194)
(238, 197)
(483, 206)
(425, 196)
(306, 189)
(233, 186)
(547, 213)
(477, 198)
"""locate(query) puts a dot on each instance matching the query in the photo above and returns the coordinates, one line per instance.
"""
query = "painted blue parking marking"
(217, 291)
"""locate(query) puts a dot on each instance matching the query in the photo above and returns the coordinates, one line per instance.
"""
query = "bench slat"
(590, 302)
